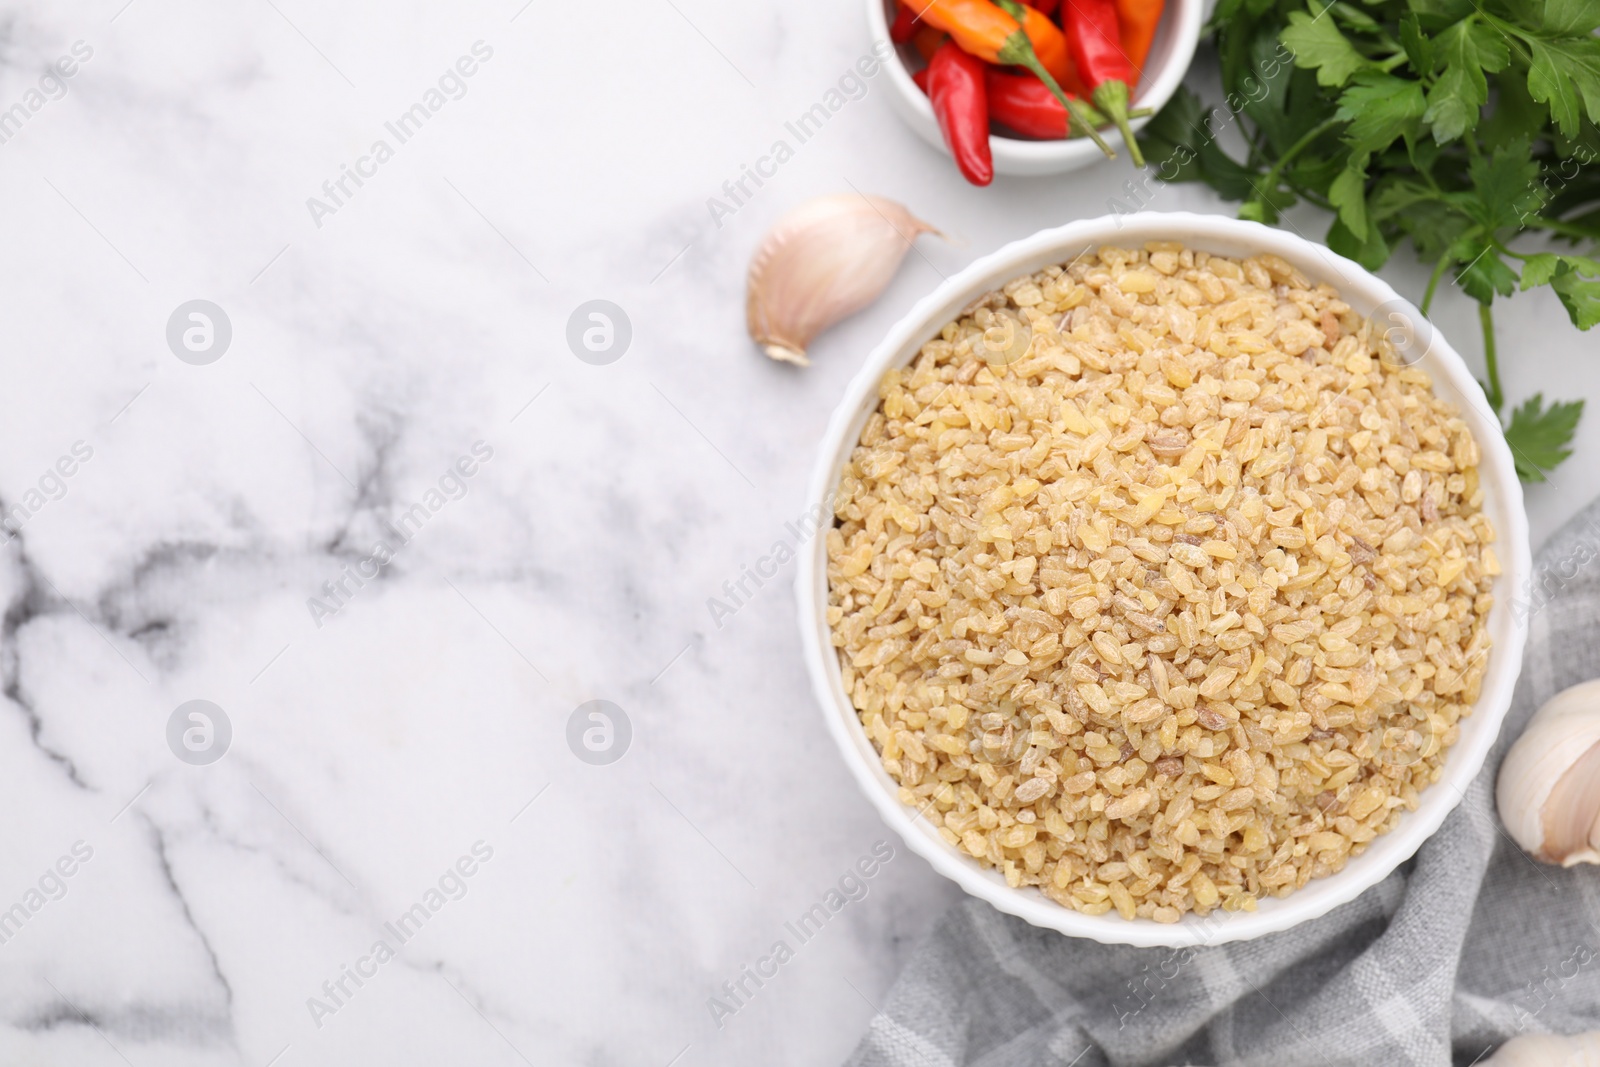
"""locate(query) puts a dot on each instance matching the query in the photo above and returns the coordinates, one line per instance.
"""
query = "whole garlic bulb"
(1549, 787)
(1547, 1050)
(823, 261)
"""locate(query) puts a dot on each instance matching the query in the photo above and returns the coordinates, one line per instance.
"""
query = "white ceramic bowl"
(1369, 296)
(1170, 54)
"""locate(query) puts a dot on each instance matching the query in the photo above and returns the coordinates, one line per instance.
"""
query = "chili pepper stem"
(1018, 51)
(1112, 98)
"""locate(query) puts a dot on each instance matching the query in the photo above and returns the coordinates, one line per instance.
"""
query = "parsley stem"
(1538, 222)
(1296, 148)
(1312, 198)
(1433, 282)
(1486, 320)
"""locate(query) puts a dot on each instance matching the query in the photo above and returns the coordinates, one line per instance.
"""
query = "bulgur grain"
(1174, 605)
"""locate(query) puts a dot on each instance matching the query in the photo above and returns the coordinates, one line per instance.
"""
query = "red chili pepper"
(1010, 33)
(1095, 40)
(927, 40)
(905, 24)
(1024, 104)
(961, 103)
(1044, 7)
(921, 78)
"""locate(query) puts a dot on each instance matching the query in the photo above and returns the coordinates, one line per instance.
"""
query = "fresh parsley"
(1539, 435)
(1457, 125)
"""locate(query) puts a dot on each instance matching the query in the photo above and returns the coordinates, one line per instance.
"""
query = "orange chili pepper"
(1010, 34)
(1138, 19)
(982, 28)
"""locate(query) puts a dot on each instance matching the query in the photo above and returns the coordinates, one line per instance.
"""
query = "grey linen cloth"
(1467, 945)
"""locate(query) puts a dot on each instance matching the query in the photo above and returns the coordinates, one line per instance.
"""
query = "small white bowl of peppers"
(1042, 87)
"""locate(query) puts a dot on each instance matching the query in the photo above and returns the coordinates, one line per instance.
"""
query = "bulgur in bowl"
(1169, 594)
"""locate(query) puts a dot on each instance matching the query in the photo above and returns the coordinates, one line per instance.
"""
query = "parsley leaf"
(1582, 264)
(1539, 269)
(1268, 105)
(1317, 44)
(1514, 115)
(1419, 49)
(1539, 436)
(1469, 49)
(1508, 186)
(1379, 108)
(1180, 145)
(1433, 227)
(1580, 296)
(1570, 17)
(1442, 10)
(1348, 193)
(1454, 103)
(1561, 71)
(1485, 273)
(1368, 249)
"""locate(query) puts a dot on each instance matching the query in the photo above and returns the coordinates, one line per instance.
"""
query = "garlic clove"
(1571, 815)
(1543, 1050)
(1548, 792)
(822, 262)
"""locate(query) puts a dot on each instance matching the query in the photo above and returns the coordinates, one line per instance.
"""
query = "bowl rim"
(1154, 90)
(1508, 629)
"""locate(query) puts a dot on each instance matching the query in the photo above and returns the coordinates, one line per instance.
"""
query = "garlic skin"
(1545, 1050)
(825, 260)
(1548, 792)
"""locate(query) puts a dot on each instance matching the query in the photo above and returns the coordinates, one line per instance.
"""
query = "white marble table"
(413, 727)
